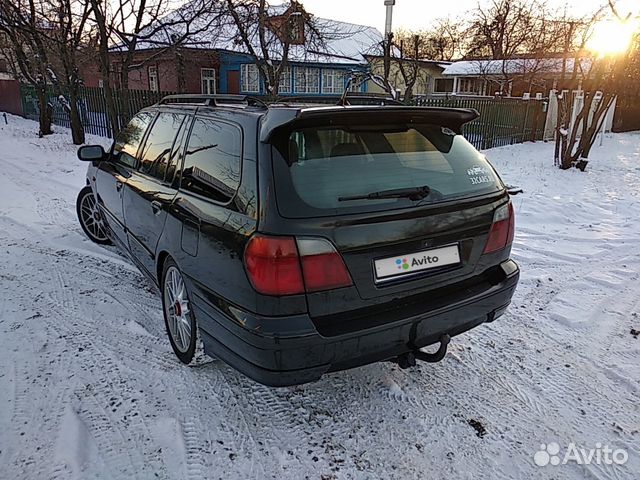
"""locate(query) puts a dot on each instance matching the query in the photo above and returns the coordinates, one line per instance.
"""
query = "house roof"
(513, 66)
(343, 43)
(423, 62)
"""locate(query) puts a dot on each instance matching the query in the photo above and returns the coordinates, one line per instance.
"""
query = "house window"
(469, 85)
(285, 81)
(307, 80)
(355, 86)
(332, 81)
(443, 85)
(249, 78)
(208, 77)
(153, 78)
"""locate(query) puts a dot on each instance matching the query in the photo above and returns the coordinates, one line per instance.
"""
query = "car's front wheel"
(179, 317)
(90, 217)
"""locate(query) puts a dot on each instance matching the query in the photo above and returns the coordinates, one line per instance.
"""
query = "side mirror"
(92, 153)
(513, 190)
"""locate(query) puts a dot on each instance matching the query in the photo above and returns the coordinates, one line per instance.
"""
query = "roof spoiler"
(276, 119)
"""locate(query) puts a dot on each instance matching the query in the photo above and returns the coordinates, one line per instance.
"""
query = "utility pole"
(387, 25)
(386, 44)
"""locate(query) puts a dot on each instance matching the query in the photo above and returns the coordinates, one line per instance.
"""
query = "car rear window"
(316, 168)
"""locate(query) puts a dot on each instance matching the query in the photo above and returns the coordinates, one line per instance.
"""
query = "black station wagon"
(292, 240)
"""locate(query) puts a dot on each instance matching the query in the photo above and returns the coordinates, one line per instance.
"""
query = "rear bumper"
(280, 351)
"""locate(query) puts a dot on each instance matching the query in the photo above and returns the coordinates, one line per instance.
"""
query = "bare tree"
(69, 42)
(125, 26)
(518, 35)
(404, 65)
(603, 80)
(24, 25)
(445, 40)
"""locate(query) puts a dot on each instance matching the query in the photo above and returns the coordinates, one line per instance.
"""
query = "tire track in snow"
(142, 358)
(193, 455)
(100, 402)
(36, 405)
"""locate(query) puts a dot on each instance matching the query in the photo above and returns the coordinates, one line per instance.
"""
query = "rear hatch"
(407, 202)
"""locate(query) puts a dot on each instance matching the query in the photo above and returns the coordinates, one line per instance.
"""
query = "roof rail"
(360, 99)
(350, 99)
(212, 100)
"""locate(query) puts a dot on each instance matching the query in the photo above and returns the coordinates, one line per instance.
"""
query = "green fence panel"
(92, 107)
(502, 121)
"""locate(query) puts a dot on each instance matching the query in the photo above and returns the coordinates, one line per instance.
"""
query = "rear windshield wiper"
(412, 193)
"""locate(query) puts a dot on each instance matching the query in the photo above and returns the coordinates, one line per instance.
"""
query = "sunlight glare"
(612, 37)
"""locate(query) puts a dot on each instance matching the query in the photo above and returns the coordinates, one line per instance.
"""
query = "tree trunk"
(181, 68)
(569, 156)
(77, 129)
(45, 117)
(124, 93)
(408, 95)
(596, 125)
(105, 66)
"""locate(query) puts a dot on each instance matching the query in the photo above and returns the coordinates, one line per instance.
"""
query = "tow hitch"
(408, 359)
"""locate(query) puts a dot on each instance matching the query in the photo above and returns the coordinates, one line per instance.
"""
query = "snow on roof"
(512, 66)
(343, 43)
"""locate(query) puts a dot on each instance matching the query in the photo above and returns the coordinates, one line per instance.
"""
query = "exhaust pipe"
(408, 359)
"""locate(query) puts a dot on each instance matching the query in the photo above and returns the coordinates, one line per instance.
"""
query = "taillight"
(278, 266)
(322, 266)
(273, 265)
(502, 229)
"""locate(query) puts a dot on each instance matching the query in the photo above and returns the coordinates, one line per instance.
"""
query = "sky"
(418, 14)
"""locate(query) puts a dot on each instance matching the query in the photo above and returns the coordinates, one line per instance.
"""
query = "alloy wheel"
(177, 309)
(92, 218)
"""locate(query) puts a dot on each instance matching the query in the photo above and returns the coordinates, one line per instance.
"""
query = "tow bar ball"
(408, 359)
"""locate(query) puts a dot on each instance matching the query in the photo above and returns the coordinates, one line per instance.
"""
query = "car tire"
(90, 217)
(179, 318)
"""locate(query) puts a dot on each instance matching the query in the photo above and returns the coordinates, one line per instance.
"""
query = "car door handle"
(118, 185)
(156, 206)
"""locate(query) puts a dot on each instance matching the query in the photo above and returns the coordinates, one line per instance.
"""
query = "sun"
(611, 37)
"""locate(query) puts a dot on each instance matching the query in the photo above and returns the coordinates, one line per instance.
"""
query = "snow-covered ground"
(89, 387)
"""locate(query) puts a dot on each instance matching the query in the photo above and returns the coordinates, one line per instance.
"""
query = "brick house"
(9, 90)
(220, 64)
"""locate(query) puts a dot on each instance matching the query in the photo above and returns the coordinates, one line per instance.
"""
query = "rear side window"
(157, 151)
(128, 140)
(318, 170)
(212, 160)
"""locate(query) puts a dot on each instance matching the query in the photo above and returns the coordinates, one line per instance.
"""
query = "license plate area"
(410, 264)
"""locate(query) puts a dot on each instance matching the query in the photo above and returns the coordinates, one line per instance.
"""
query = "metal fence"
(627, 114)
(91, 105)
(502, 121)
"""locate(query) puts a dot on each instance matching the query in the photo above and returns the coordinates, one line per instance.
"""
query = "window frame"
(213, 78)
(305, 75)
(336, 75)
(155, 85)
(287, 73)
(245, 87)
(185, 146)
